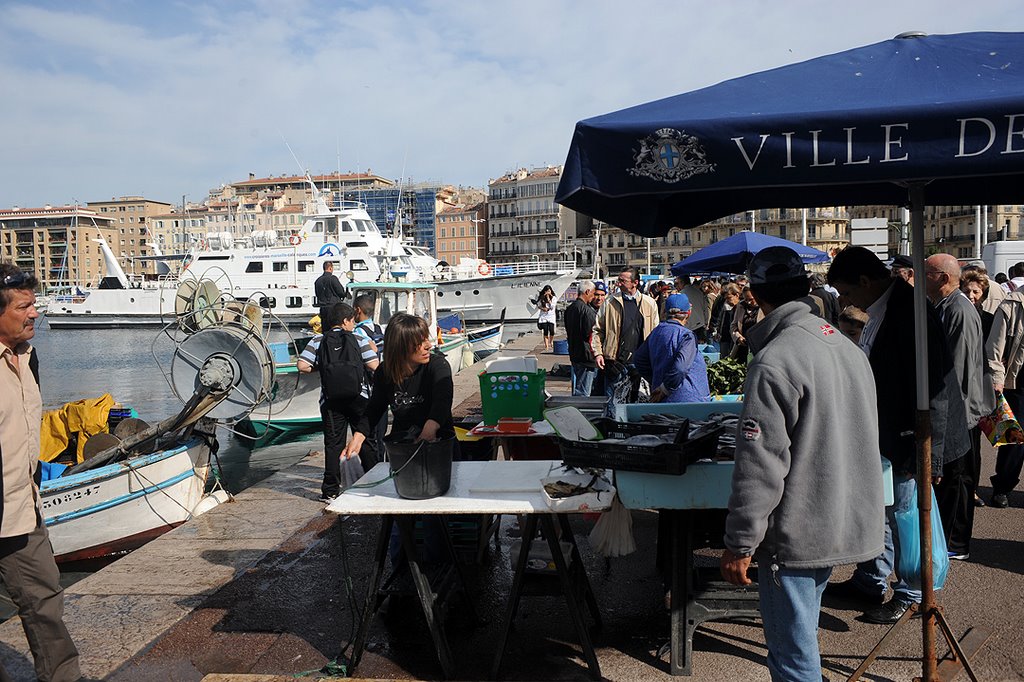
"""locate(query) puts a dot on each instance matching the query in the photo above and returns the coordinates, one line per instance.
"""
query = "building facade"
(131, 216)
(827, 230)
(951, 229)
(462, 233)
(57, 244)
(525, 223)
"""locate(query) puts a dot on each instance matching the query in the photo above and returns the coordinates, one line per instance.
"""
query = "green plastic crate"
(512, 394)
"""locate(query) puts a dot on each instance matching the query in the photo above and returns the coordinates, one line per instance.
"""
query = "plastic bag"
(1001, 427)
(908, 526)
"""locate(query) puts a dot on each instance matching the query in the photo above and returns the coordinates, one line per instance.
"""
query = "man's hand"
(658, 394)
(734, 568)
(998, 388)
(600, 361)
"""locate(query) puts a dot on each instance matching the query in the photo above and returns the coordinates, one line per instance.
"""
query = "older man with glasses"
(27, 567)
(623, 323)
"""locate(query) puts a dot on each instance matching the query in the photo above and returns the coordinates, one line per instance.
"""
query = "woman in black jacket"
(414, 382)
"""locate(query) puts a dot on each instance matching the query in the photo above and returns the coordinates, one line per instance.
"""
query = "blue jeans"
(790, 605)
(621, 390)
(583, 379)
(873, 576)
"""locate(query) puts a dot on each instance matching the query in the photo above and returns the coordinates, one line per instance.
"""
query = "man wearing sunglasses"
(26, 558)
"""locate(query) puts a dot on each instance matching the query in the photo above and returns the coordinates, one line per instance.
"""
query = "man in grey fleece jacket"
(807, 486)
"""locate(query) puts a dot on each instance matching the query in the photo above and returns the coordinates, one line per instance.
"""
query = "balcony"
(504, 251)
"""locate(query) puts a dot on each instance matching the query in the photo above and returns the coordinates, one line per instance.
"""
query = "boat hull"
(119, 507)
(479, 299)
(482, 299)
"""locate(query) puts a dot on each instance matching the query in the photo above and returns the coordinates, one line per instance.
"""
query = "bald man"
(962, 324)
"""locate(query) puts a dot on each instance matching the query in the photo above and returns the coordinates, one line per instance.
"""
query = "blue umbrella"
(911, 121)
(732, 254)
(843, 130)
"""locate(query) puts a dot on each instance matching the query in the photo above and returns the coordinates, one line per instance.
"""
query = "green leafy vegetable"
(726, 376)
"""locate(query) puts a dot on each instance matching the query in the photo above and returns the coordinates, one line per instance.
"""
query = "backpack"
(375, 334)
(342, 372)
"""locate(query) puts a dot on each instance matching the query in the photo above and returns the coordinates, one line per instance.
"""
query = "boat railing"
(503, 269)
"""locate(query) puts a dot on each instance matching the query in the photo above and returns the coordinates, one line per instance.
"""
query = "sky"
(172, 98)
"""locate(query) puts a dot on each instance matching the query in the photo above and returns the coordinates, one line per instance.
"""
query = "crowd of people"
(852, 326)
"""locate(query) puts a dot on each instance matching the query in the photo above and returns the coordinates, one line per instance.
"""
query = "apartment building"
(58, 244)
(174, 232)
(331, 182)
(827, 230)
(524, 222)
(462, 233)
(951, 229)
(131, 216)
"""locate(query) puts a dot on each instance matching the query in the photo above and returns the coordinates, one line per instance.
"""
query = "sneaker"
(888, 613)
(959, 556)
(327, 497)
(999, 501)
(849, 592)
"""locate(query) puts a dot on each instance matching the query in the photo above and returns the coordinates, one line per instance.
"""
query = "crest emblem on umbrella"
(670, 155)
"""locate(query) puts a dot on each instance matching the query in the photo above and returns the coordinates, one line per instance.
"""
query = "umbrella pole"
(923, 436)
(931, 613)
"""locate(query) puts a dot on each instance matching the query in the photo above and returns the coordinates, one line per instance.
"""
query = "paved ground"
(282, 603)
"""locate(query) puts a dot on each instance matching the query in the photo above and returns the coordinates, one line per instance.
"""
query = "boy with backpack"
(369, 330)
(344, 361)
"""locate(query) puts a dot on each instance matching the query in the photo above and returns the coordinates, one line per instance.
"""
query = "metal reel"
(229, 356)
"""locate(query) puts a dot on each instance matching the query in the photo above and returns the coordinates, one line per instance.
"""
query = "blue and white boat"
(119, 507)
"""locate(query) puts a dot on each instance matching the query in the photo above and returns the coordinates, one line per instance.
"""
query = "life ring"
(484, 268)
(294, 240)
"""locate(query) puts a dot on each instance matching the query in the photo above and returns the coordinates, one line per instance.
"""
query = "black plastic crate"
(623, 430)
(668, 458)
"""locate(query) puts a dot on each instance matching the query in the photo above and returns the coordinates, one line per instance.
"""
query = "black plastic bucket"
(422, 470)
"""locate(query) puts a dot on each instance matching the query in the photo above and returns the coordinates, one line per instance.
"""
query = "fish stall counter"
(692, 502)
(476, 488)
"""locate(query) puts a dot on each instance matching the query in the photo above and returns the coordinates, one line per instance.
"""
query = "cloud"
(113, 97)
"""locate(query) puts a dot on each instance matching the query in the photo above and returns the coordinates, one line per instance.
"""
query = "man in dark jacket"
(807, 486)
(888, 339)
(328, 289)
(580, 318)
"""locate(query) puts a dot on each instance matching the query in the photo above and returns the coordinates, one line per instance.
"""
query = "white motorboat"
(119, 507)
(278, 270)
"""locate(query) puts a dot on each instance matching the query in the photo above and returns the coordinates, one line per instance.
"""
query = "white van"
(999, 256)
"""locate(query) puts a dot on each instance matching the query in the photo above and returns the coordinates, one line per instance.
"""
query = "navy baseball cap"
(601, 286)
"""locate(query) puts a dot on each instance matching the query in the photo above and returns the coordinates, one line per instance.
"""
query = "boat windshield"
(391, 302)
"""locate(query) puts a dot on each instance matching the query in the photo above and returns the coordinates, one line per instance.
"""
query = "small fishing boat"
(484, 340)
(140, 482)
(119, 507)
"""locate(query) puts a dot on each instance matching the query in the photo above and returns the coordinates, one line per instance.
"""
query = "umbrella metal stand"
(931, 613)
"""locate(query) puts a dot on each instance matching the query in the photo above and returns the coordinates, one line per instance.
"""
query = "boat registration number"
(70, 496)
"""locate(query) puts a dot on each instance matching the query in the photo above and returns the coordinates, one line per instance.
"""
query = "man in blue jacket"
(807, 485)
(669, 358)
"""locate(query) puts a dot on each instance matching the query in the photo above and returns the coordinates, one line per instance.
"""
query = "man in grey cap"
(807, 486)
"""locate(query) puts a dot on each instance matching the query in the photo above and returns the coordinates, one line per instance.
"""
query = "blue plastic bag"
(909, 527)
